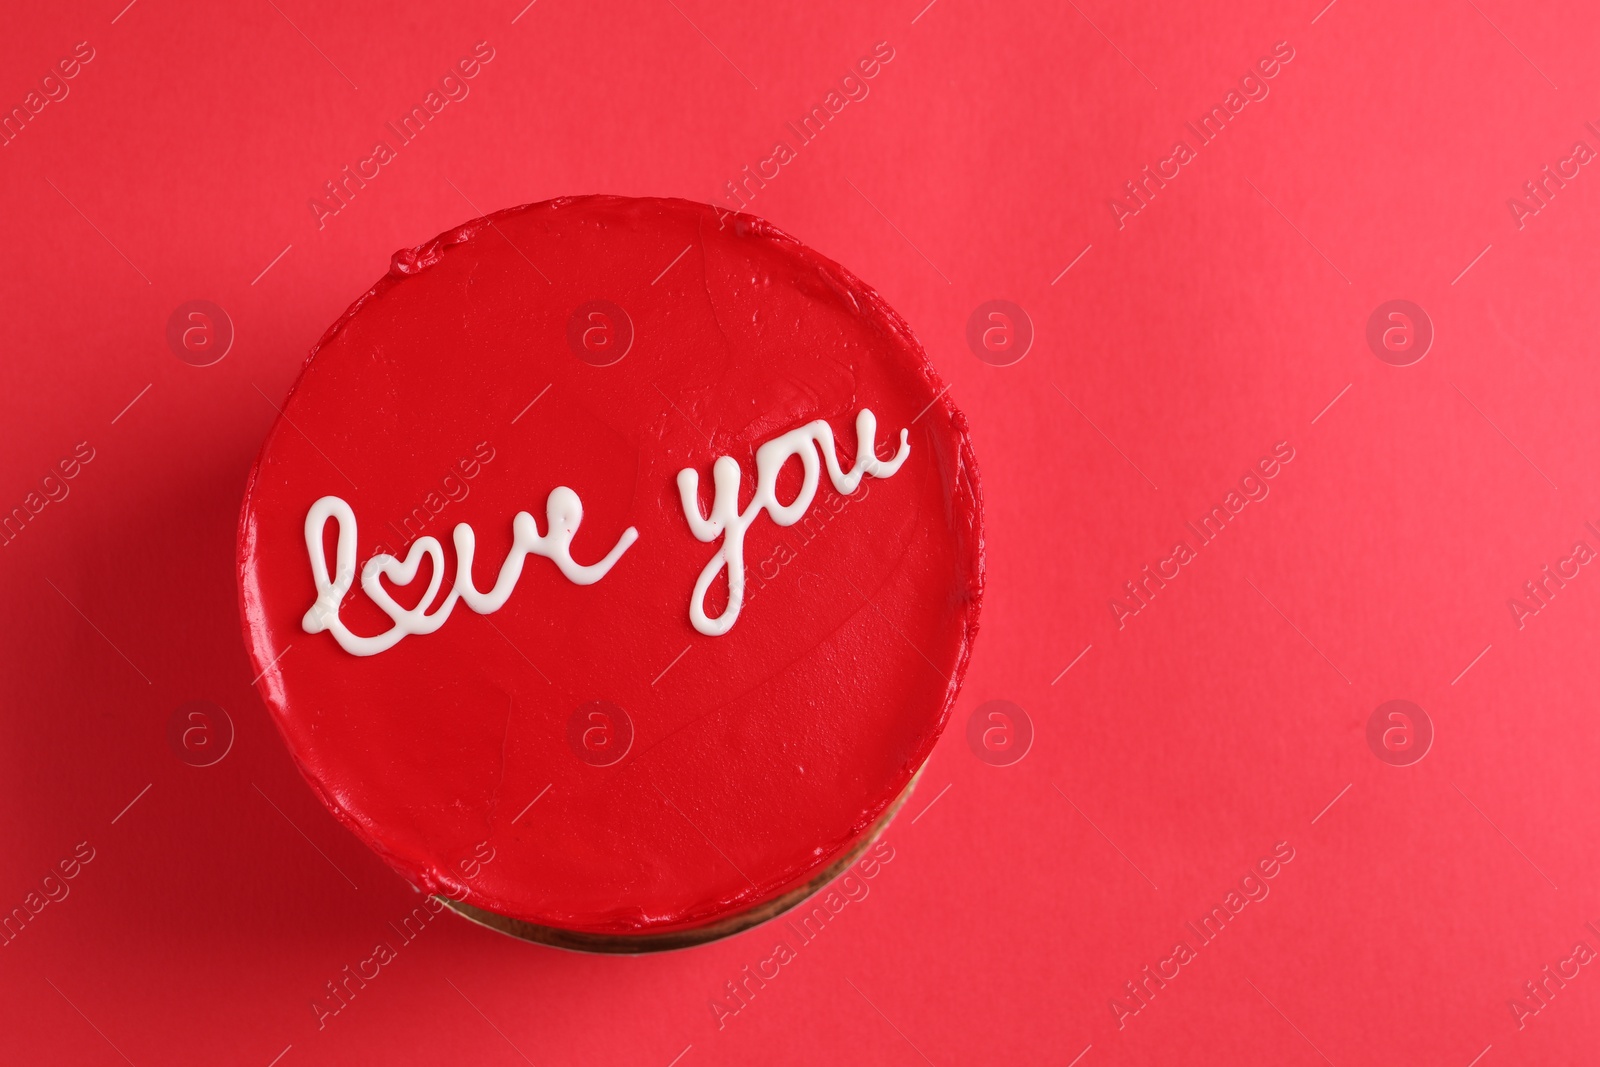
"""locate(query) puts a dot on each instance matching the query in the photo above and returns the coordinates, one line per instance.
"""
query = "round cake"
(613, 568)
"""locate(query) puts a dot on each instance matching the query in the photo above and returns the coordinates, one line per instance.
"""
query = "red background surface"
(1223, 718)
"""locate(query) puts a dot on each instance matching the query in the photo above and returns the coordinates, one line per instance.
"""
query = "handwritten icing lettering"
(813, 445)
(563, 511)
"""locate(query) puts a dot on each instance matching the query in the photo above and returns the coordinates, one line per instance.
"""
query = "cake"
(612, 569)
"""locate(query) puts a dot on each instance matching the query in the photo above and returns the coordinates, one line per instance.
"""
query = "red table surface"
(1175, 346)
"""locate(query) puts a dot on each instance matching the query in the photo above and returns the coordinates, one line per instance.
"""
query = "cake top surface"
(614, 564)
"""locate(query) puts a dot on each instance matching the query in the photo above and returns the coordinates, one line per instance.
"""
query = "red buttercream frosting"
(626, 772)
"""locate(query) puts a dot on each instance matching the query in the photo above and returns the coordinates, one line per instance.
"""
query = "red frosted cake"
(613, 568)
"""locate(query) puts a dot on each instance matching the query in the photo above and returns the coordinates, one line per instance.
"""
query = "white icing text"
(813, 445)
(563, 510)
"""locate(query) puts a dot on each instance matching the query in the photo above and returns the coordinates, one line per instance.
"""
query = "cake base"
(637, 944)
